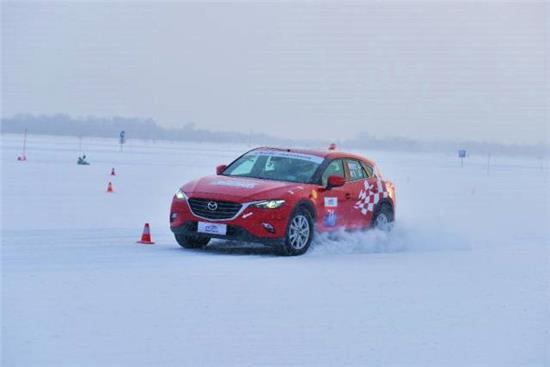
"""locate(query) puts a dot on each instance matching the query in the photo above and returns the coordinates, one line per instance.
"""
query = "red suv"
(280, 197)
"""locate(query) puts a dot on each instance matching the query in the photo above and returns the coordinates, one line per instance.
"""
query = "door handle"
(348, 196)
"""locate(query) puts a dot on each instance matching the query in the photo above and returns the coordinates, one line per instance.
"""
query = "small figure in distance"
(82, 160)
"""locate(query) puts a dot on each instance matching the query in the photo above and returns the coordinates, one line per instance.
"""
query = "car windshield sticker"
(331, 202)
(241, 184)
(370, 196)
(292, 155)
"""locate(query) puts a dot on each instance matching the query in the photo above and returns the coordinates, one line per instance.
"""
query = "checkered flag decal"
(370, 196)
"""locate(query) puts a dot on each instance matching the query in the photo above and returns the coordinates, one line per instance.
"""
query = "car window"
(356, 171)
(269, 165)
(244, 166)
(275, 165)
(368, 169)
(335, 168)
(288, 169)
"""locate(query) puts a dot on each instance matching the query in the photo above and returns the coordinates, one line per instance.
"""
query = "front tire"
(191, 241)
(299, 233)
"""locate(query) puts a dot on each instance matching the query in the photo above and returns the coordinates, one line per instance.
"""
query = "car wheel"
(383, 218)
(192, 241)
(299, 233)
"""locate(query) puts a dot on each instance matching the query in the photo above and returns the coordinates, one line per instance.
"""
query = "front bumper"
(248, 226)
(234, 233)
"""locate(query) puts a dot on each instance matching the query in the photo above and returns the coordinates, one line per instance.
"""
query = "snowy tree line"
(140, 128)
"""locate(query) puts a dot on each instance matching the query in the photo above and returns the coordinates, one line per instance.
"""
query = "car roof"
(328, 154)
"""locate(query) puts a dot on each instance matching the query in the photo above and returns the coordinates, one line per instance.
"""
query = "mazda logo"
(212, 206)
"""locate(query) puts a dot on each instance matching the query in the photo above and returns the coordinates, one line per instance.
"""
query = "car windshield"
(275, 165)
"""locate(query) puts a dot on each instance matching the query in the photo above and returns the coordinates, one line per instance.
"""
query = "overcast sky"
(423, 70)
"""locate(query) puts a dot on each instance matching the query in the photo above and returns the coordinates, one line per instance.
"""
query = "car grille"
(224, 210)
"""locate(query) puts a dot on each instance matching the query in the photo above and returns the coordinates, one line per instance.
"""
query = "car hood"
(241, 189)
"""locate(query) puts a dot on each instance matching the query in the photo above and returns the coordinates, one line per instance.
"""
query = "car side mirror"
(335, 181)
(220, 169)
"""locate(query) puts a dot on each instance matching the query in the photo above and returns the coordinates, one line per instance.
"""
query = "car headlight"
(180, 195)
(269, 204)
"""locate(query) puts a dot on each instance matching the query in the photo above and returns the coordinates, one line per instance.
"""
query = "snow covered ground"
(464, 279)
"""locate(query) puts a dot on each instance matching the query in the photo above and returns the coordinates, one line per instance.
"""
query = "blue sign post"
(122, 139)
(462, 155)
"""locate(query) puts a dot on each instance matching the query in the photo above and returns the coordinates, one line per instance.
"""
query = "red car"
(280, 197)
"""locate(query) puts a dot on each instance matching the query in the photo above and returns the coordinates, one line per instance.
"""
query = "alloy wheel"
(299, 232)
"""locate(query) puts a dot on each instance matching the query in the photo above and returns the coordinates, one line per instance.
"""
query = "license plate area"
(212, 228)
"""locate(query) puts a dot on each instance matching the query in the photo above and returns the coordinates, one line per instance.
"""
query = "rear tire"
(191, 241)
(299, 233)
(383, 218)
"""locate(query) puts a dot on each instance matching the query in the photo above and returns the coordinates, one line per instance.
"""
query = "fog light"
(268, 227)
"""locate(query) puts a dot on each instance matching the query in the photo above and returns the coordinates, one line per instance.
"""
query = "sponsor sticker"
(330, 218)
(331, 202)
(241, 184)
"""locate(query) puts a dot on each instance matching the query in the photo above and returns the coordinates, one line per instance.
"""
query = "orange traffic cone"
(113, 173)
(146, 236)
(110, 188)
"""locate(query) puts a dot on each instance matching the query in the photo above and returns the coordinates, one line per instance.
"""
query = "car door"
(371, 194)
(337, 202)
(358, 186)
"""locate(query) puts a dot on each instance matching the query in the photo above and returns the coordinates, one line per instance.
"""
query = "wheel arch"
(387, 201)
(307, 205)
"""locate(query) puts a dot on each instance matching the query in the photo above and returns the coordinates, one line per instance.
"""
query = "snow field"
(463, 280)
